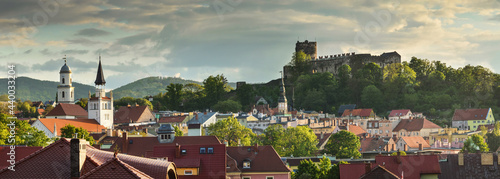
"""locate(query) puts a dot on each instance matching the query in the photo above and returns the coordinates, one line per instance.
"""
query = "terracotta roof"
(413, 141)
(414, 125)
(40, 111)
(127, 114)
(470, 114)
(356, 130)
(115, 168)
(472, 167)
(357, 112)
(399, 112)
(374, 143)
(64, 109)
(90, 125)
(413, 166)
(172, 119)
(20, 153)
(379, 172)
(264, 159)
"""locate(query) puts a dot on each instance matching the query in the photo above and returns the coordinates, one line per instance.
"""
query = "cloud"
(92, 32)
(28, 51)
(74, 51)
(83, 41)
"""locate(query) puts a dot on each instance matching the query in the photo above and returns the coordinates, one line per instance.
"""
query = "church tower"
(65, 92)
(282, 102)
(100, 107)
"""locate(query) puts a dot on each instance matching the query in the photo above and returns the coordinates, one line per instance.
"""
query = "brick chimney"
(368, 167)
(177, 150)
(78, 153)
(398, 158)
(420, 147)
(125, 143)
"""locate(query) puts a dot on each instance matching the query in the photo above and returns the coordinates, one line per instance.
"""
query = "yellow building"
(449, 138)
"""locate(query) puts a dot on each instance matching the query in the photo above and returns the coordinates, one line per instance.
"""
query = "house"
(37, 104)
(378, 172)
(67, 111)
(204, 119)
(322, 140)
(74, 158)
(377, 144)
(194, 156)
(52, 127)
(244, 119)
(450, 138)
(470, 119)
(358, 114)
(400, 114)
(179, 121)
(51, 103)
(415, 127)
(470, 165)
(259, 100)
(133, 114)
(356, 130)
(19, 151)
(247, 162)
(412, 143)
(342, 108)
(262, 111)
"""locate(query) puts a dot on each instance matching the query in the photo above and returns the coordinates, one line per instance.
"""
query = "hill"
(147, 86)
(41, 90)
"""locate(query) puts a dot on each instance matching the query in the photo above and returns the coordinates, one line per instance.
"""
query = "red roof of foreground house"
(379, 172)
(357, 112)
(415, 125)
(399, 112)
(90, 125)
(20, 153)
(411, 166)
(131, 114)
(262, 158)
(470, 114)
(64, 109)
(172, 119)
(54, 161)
(414, 141)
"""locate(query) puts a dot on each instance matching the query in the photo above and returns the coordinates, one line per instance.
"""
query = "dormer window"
(203, 150)
(246, 164)
(210, 150)
(183, 152)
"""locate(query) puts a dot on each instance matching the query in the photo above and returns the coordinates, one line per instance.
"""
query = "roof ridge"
(120, 163)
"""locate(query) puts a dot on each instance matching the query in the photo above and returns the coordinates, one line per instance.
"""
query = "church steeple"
(282, 102)
(99, 80)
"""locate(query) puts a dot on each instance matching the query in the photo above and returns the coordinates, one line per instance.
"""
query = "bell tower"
(100, 107)
(65, 90)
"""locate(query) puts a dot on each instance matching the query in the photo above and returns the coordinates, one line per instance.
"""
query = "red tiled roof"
(411, 165)
(415, 125)
(264, 159)
(90, 125)
(357, 112)
(325, 138)
(356, 130)
(413, 141)
(115, 168)
(379, 172)
(353, 170)
(470, 114)
(399, 112)
(127, 114)
(20, 153)
(172, 119)
(64, 109)
(232, 165)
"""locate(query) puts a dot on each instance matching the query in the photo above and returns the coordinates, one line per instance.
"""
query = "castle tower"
(308, 48)
(65, 92)
(282, 102)
(100, 107)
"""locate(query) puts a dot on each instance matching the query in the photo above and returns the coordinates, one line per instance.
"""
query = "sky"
(245, 40)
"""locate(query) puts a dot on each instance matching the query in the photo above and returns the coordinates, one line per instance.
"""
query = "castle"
(331, 63)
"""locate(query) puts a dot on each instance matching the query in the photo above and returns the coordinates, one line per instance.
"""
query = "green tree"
(343, 144)
(493, 138)
(83, 102)
(174, 96)
(307, 168)
(132, 101)
(301, 141)
(475, 142)
(214, 88)
(334, 172)
(324, 167)
(24, 133)
(372, 97)
(274, 135)
(245, 95)
(299, 65)
(69, 131)
(401, 153)
(178, 131)
(232, 131)
(227, 106)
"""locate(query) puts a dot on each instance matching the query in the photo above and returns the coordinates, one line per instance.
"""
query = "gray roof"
(65, 68)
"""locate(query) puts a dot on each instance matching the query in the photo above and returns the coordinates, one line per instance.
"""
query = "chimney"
(78, 154)
(125, 143)
(322, 135)
(368, 167)
(420, 147)
(205, 113)
(177, 150)
(406, 147)
(398, 157)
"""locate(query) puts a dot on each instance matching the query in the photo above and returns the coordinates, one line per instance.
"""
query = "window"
(376, 124)
(269, 177)
(380, 131)
(63, 80)
(369, 124)
(183, 152)
(188, 172)
(246, 164)
(386, 131)
(474, 122)
(210, 150)
(162, 136)
(202, 150)
(63, 94)
(246, 178)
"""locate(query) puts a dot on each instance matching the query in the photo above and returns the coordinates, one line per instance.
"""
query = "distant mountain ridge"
(42, 90)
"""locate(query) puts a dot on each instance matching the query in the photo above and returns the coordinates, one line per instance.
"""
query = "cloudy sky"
(246, 40)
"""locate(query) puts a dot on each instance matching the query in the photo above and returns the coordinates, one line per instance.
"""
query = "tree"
(232, 131)
(24, 133)
(214, 89)
(344, 144)
(174, 96)
(401, 153)
(48, 108)
(475, 142)
(372, 97)
(301, 141)
(245, 95)
(227, 106)
(132, 101)
(274, 135)
(334, 172)
(83, 102)
(178, 131)
(69, 131)
(493, 138)
(299, 64)
(307, 168)
(324, 167)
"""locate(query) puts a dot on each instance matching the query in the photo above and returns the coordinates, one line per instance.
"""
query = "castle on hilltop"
(331, 63)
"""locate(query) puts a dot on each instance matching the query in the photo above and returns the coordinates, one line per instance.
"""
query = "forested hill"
(40, 90)
(147, 86)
